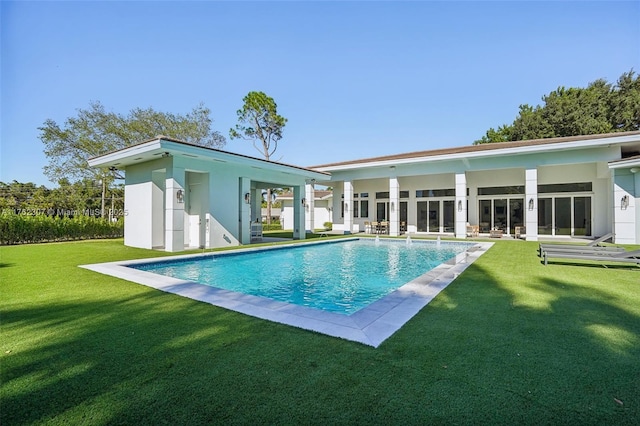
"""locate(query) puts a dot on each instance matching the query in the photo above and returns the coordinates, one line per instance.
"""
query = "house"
(179, 195)
(314, 218)
(583, 186)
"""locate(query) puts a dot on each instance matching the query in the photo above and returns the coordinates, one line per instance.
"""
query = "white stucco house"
(316, 217)
(179, 195)
(583, 186)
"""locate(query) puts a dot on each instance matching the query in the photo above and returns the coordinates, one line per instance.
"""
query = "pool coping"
(371, 325)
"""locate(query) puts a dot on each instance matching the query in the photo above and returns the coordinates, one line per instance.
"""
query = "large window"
(364, 208)
(501, 213)
(565, 215)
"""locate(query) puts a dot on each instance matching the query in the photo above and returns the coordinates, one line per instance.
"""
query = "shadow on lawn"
(530, 345)
(140, 350)
(533, 349)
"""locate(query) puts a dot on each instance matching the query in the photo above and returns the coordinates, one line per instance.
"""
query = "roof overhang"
(164, 147)
(489, 150)
(626, 163)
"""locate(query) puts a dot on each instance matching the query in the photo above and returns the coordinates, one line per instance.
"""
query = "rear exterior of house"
(179, 195)
(584, 186)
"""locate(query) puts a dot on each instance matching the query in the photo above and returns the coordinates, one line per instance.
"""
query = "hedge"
(20, 229)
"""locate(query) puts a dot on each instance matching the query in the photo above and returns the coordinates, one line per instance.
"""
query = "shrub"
(20, 228)
(275, 226)
(328, 226)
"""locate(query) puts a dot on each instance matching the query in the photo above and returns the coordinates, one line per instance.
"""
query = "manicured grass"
(509, 342)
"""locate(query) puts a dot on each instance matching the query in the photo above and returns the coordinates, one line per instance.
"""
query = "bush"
(328, 226)
(275, 226)
(20, 229)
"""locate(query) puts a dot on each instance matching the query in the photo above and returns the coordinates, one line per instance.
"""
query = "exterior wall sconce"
(346, 206)
(531, 203)
(180, 196)
(624, 202)
(304, 201)
(635, 170)
(247, 198)
(393, 206)
(459, 205)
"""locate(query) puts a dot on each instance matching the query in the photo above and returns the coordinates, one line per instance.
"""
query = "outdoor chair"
(594, 243)
(472, 230)
(384, 227)
(375, 227)
(595, 255)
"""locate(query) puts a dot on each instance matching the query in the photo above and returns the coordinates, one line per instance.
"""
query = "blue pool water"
(340, 277)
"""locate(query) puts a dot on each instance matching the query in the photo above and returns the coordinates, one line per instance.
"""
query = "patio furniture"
(367, 227)
(472, 230)
(375, 226)
(495, 233)
(594, 243)
(403, 226)
(594, 254)
(520, 231)
(384, 227)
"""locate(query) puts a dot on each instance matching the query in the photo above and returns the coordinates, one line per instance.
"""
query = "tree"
(599, 108)
(259, 122)
(94, 132)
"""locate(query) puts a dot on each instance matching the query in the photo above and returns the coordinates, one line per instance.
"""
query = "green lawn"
(509, 342)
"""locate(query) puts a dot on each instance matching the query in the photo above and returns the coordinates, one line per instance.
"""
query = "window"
(501, 190)
(364, 208)
(382, 194)
(424, 193)
(565, 187)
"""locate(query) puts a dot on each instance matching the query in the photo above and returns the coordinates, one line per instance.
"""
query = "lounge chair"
(594, 243)
(595, 255)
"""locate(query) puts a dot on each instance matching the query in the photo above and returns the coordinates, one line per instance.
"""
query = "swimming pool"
(341, 277)
(370, 325)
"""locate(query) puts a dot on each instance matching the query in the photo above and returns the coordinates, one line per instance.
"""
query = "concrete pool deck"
(370, 325)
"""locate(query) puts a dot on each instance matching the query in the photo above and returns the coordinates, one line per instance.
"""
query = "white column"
(461, 205)
(244, 221)
(624, 206)
(309, 219)
(174, 210)
(531, 204)
(298, 213)
(256, 205)
(394, 207)
(348, 207)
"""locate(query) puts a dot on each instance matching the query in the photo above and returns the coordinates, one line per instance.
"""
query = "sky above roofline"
(354, 79)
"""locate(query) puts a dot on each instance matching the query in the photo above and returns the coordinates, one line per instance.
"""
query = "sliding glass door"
(565, 215)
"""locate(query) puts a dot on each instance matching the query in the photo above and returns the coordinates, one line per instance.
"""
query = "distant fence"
(21, 228)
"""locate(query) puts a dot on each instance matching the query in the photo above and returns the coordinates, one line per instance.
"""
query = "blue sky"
(354, 79)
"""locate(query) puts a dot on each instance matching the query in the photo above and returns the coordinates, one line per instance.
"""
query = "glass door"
(434, 216)
(382, 209)
(500, 214)
(422, 225)
(516, 214)
(582, 216)
(485, 215)
(448, 215)
(545, 216)
(562, 212)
